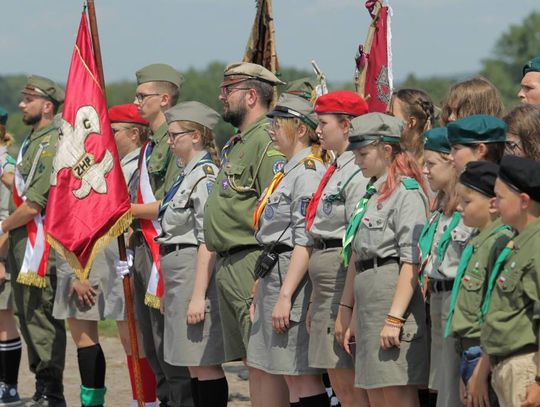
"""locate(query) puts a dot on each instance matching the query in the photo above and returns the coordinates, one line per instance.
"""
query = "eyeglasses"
(117, 130)
(173, 135)
(274, 126)
(226, 91)
(141, 96)
(512, 147)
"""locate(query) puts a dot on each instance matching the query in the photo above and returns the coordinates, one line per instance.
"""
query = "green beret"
(194, 112)
(521, 174)
(3, 115)
(436, 139)
(44, 87)
(296, 102)
(476, 129)
(159, 73)
(372, 127)
(533, 65)
(242, 71)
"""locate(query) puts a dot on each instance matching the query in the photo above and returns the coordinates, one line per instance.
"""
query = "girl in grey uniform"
(279, 339)
(192, 332)
(388, 320)
(101, 296)
(327, 216)
(442, 242)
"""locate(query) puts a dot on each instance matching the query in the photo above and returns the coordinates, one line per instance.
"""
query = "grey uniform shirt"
(5, 193)
(130, 166)
(344, 189)
(446, 269)
(182, 221)
(392, 229)
(286, 207)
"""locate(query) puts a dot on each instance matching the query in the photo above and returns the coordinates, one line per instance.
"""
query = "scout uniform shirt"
(251, 164)
(511, 324)
(285, 211)
(162, 166)
(5, 193)
(392, 229)
(446, 268)
(182, 222)
(43, 142)
(487, 245)
(130, 169)
(344, 189)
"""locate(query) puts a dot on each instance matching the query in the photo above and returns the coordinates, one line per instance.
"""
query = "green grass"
(108, 328)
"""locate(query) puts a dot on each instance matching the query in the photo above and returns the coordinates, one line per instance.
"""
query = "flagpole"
(128, 296)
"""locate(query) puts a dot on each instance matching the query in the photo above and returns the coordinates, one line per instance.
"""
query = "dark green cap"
(159, 73)
(295, 102)
(533, 65)
(436, 139)
(45, 88)
(194, 112)
(372, 127)
(3, 116)
(476, 129)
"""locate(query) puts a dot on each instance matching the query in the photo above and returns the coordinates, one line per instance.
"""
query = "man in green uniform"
(44, 335)
(529, 91)
(158, 89)
(248, 165)
(511, 306)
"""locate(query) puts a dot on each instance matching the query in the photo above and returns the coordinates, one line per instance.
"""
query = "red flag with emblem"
(88, 202)
(374, 59)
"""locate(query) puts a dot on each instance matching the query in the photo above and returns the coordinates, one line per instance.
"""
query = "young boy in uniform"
(511, 308)
(477, 206)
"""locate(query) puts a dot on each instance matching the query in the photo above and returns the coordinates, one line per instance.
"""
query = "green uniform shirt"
(42, 141)
(487, 246)
(228, 216)
(162, 167)
(511, 322)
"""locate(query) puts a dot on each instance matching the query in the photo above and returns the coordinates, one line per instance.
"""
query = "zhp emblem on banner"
(71, 153)
(383, 85)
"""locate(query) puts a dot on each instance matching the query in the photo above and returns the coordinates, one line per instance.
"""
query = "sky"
(430, 37)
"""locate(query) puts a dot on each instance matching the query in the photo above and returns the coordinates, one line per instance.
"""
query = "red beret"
(126, 114)
(341, 102)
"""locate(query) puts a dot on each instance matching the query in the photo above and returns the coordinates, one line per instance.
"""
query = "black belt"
(322, 244)
(278, 249)
(238, 249)
(531, 348)
(437, 286)
(165, 249)
(362, 265)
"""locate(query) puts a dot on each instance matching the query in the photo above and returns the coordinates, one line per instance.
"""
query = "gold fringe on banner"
(153, 301)
(121, 225)
(32, 279)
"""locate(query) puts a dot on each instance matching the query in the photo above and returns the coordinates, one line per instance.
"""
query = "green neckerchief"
(356, 218)
(493, 277)
(339, 195)
(465, 259)
(447, 236)
(426, 239)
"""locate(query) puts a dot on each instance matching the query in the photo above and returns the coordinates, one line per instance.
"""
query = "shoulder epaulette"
(309, 164)
(410, 183)
(208, 170)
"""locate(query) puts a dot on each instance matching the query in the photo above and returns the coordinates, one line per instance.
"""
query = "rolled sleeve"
(305, 186)
(199, 196)
(410, 218)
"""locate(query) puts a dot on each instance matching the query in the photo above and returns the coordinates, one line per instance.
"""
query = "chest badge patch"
(327, 207)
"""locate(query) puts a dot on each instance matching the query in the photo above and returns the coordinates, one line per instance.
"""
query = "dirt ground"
(117, 381)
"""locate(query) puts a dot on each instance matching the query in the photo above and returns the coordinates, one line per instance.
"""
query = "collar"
(131, 156)
(160, 134)
(345, 158)
(377, 184)
(191, 164)
(35, 134)
(532, 229)
(296, 159)
(260, 122)
(481, 237)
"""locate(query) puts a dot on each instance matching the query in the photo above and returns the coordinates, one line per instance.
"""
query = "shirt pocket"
(375, 225)
(233, 178)
(509, 278)
(460, 236)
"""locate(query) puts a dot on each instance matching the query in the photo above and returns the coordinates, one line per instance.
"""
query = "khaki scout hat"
(45, 88)
(295, 102)
(243, 71)
(194, 112)
(159, 73)
(372, 127)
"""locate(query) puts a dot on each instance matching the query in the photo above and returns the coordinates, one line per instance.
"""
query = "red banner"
(88, 201)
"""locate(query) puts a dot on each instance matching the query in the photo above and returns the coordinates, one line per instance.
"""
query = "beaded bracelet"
(393, 324)
(394, 319)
